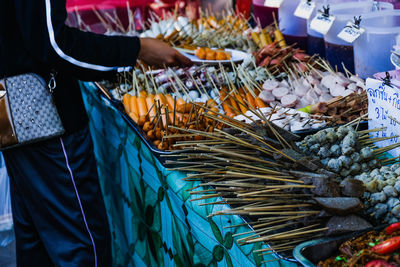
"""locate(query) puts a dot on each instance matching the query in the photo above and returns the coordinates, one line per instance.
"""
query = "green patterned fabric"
(152, 220)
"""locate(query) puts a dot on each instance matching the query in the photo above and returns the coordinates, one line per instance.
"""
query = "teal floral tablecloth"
(152, 220)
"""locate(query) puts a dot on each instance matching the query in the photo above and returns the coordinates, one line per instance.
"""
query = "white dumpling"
(280, 92)
(266, 96)
(336, 90)
(270, 85)
(328, 81)
(311, 96)
(300, 90)
(289, 100)
(194, 94)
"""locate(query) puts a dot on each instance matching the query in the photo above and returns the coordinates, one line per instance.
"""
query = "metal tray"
(309, 253)
(160, 155)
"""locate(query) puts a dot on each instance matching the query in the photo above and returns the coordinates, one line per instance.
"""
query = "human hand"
(156, 53)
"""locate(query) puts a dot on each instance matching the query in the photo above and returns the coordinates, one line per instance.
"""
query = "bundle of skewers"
(231, 31)
(275, 55)
(164, 119)
(298, 81)
(258, 170)
(109, 21)
(287, 118)
(237, 94)
(181, 32)
(320, 83)
(160, 114)
(291, 79)
(341, 110)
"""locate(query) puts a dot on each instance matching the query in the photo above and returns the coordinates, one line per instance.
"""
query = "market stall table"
(152, 220)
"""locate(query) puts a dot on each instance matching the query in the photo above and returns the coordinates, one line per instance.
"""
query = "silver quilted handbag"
(27, 111)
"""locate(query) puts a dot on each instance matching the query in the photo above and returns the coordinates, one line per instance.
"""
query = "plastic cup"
(372, 49)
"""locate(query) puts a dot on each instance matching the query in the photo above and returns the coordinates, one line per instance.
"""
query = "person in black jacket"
(58, 209)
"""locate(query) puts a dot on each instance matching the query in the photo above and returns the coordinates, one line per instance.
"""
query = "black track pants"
(58, 209)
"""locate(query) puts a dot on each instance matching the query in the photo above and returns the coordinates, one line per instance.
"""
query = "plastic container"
(395, 60)
(264, 13)
(293, 28)
(372, 50)
(395, 3)
(316, 44)
(338, 51)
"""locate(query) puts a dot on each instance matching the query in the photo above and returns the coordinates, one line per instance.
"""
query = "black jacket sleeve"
(84, 55)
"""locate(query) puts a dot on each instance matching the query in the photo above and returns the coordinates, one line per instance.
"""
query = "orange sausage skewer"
(241, 103)
(133, 105)
(226, 107)
(125, 101)
(142, 106)
(151, 106)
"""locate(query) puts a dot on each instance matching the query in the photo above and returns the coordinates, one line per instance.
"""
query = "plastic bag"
(6, 224)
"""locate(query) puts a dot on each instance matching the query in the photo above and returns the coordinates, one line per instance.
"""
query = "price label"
(273, 3)
(351, 32)
(384, 112)
(322, 23)
(304, 9)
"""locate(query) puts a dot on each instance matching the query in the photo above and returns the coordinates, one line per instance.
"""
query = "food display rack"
(152, 218)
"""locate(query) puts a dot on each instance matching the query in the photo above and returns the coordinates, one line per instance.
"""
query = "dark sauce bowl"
(309, 253)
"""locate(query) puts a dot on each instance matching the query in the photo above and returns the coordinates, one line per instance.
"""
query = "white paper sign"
(304, 9)
(322, 23)
(351, 32)
(384, 111)
(273, 3)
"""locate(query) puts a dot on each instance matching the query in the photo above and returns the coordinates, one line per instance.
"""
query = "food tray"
(309, 253)
(160, 155)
